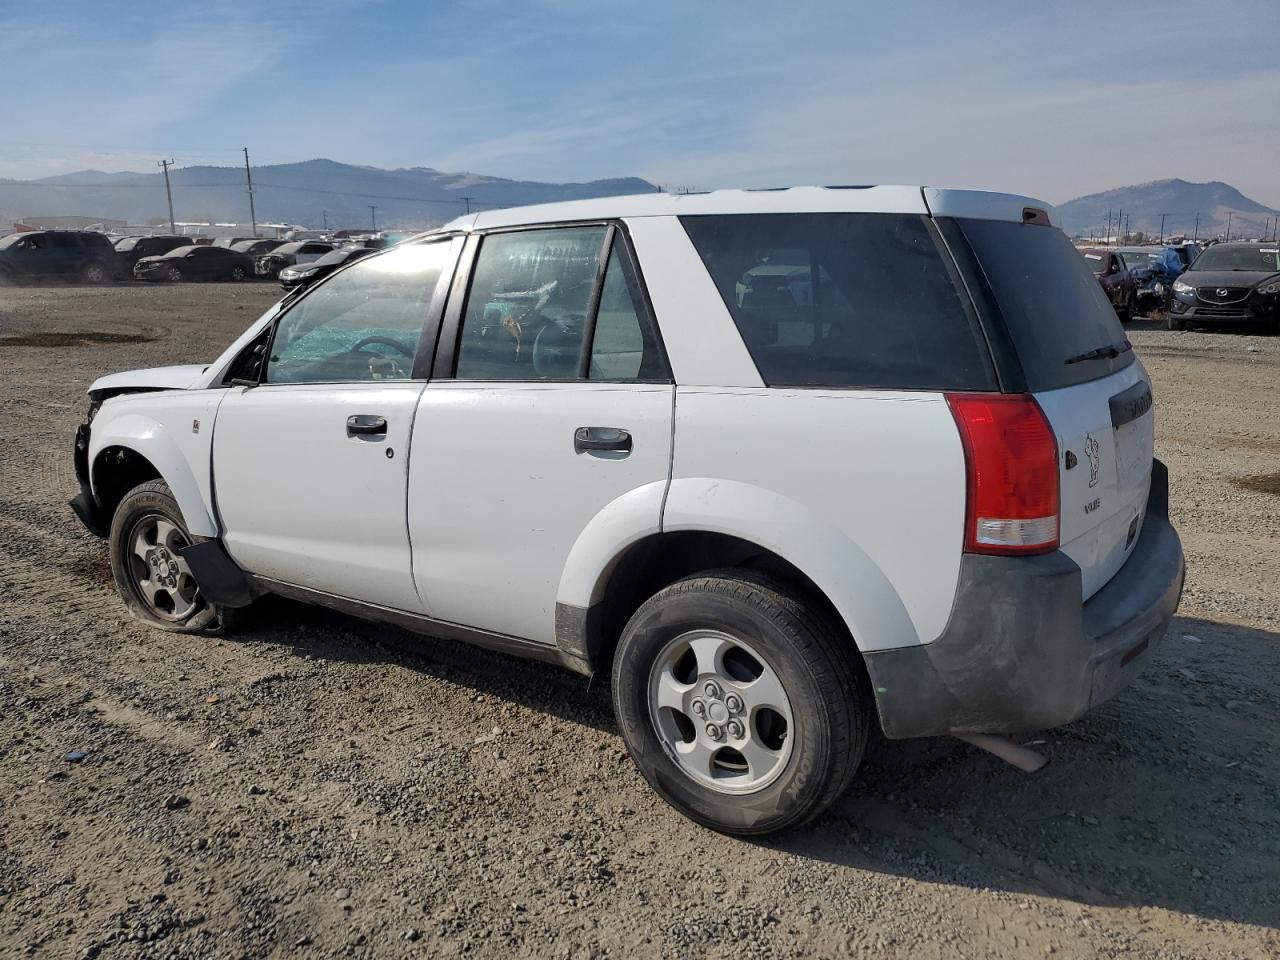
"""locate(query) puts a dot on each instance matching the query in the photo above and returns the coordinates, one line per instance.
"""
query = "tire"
(237, 273)
(95, 272)
(148, 511)
(1176, 323)
(173, 275)
(1129, 309)
(803, 763)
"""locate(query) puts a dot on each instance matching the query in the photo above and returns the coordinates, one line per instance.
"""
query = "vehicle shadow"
(1164, 797)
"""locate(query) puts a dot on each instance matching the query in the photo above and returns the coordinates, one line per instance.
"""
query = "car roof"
(835, 199)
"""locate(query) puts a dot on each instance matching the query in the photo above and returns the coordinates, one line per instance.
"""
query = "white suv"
(785, 464)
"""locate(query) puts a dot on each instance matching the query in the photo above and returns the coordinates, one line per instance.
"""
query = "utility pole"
(1107, 237)
(1162, 216)
(324, 215)
(1119, 226)
(1228, 226)
(373, 216)
(467, 201)
(253, 216)
(168, 193)
(1197, 236)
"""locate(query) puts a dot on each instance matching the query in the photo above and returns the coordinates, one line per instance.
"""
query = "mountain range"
(319, 192)
(1194, 209)
(309, 193)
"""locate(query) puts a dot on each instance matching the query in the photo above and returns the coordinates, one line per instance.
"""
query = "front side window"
(362, 324)
(843, 300)
(526, 313)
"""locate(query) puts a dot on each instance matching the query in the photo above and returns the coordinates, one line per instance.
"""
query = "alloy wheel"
(159, 574)
(720, 711)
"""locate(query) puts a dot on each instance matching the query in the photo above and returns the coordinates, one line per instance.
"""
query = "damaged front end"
(84, 504)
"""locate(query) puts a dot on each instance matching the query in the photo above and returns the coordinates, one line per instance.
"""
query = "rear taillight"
(1011, 461)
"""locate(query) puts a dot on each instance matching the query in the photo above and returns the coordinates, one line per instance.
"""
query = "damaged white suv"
(785, 464)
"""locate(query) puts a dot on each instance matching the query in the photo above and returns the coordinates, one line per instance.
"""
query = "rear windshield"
(844, 300)
(128, 243)
(1051, 302)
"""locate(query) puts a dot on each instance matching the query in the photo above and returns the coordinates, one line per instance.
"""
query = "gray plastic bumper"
(1021, 652)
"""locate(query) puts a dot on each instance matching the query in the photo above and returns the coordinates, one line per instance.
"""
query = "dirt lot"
(313, 785)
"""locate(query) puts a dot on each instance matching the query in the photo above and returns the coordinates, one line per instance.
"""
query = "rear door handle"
(366, 425)
(591, 439)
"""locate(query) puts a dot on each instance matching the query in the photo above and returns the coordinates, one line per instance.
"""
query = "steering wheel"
(386, 342)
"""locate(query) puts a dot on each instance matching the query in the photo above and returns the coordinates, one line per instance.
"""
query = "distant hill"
(302, 193)
(1179, 200)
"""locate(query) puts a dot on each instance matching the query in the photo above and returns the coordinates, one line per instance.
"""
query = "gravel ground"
(312, 785)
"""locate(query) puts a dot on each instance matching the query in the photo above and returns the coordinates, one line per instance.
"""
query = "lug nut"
(735, 729)
(713, 691)
(734, 703)
(699, 709)
(714, 732)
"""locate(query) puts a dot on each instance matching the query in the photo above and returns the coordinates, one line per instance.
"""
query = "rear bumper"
(1021, 652)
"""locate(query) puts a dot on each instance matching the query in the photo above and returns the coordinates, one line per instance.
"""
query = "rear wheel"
(94, 273)
(146, 539)
(741, 706)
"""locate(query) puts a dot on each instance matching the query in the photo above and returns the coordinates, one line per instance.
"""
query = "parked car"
(195, 263)
(256, 248)
(46, 254)
(1115, 279)
(1187, 251)
(1229, 283)
(229, 241)
(288, 254)
(574, 432)
(129, 250)
(305, 274)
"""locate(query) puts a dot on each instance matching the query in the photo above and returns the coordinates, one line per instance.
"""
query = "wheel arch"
(715, 524)
(133, 449)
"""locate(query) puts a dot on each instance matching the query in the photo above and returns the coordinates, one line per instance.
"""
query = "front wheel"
(237, 273)
(742, 706)
(173, 275)
(146, 539)
(94, 273)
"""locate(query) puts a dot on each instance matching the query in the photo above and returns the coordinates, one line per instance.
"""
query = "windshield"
(1057, 315)
(180, 251)
(330, 259)
(126, 243)
(1262, 258)
(288, 248)
(10, 240)
(1097, 261)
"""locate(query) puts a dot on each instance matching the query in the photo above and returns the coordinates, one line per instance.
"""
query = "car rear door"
(551, 401)
(1072, 355)
(309, 467)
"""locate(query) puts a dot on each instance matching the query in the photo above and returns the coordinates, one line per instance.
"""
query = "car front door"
(309, 466)
(551, 401)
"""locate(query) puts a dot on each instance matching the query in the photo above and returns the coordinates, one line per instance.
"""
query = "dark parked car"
(129, 250)
(286, 255)
(195, 263)
(304, 274)
(42, 254)
(1153, 270)
(1116, 280)
(1230, 282)
(256, 248)
(230, 241)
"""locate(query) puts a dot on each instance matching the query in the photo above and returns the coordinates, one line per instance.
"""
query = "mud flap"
(221, 581)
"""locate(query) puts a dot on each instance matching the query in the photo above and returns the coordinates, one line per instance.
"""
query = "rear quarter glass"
(867, 300)
(1049, 300)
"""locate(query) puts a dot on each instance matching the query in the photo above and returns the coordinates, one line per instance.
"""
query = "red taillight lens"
(1011, 458)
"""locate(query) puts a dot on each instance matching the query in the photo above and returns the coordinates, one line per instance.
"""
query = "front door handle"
(366, 425)
(593, 439)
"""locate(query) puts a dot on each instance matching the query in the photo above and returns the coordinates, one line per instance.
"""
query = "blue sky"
(1051, 99)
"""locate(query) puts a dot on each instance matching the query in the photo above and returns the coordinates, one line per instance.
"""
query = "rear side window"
(844, 300)
(1052, 304)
